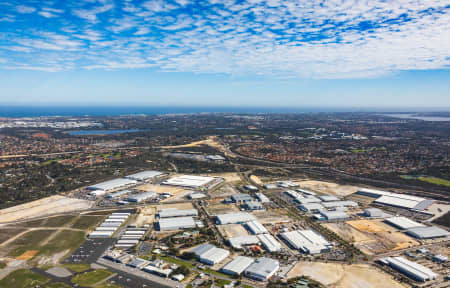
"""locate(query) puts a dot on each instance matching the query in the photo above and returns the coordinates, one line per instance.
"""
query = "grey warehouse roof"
(265, 267)
(168, 213)
(428, 232)
(140, 176)
(237, 265)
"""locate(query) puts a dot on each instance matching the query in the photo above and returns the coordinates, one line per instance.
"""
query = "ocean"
(40, 111)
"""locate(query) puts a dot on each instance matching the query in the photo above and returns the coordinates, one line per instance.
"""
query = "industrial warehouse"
(234, 218)
(193, 182)
(307, 241)
(111, 185)
(396, 200)
(144, 175)
(409, 268)
(210, 254)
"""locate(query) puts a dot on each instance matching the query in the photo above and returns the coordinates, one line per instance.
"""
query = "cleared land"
(232, 230)
(328, 187)
(272, 216)
(344, 276)
(29, 241)
(23, 278)
(216, 207)
(46, 206)
(6, 234)
(372, 236)
(223, 192)
(87, 222)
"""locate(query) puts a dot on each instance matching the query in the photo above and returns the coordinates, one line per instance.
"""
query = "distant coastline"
(79, 111)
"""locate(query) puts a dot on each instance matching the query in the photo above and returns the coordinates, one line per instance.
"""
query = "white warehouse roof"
(234, 218)
(334, 215)
(144, 175)
(403, 222)
(176, 223)
(262, 198)
(309, 207)
(168, 213)
(238, 242)
(307, 241)
(396, 199)
(237, 265)
(191, 181)
(328, 198)
(210, 254)
(112, 184)
(141, 196)
(411, 269)
(256, 227)
(262, 269)
(344, 203)
(269, 242)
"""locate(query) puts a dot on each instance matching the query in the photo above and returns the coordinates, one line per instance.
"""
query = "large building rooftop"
(237, 265)
(262, 269)
(190, 181)
(403, 222)
(428, 232)
(234, 218)
(144, 175)
(307, 241)
(411, 269)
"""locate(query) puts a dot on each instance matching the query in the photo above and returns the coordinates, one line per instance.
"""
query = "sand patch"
(344, 276)
(43, 207)
(27, 255)
(373, 226)
(232, 230)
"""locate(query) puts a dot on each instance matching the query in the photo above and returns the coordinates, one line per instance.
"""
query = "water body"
(418, 117)
(101, 132)
(41, 111)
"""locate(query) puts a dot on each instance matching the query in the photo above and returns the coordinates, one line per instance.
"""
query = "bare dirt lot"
(225, 191)
(46, 206)
(147, 214)
(178, 192)
(215, 207)
(328, 187)
(345, 276)
(372, 236)
(232, 230)
(272, 216)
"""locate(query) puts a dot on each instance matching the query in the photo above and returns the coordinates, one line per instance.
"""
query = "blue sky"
(226, 53)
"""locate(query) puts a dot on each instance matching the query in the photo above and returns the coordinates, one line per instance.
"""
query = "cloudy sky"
(228, 53)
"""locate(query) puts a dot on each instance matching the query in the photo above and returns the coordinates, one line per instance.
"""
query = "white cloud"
(289, 38)
(25, 9)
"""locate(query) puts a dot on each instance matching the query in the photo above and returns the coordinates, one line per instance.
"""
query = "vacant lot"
(46, 206)
(6, 234)
(272, 216)
(89, 279)
(372, 236)
(29, 241)
(215, 207)
(224, 191)
(344, 276)
(23, 278)
(232, 230)
(87, 222)
(328, 187)
(58, 221)
(62, 241)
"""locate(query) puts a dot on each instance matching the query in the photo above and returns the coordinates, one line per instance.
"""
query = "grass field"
(5, 234)
(58, 221)
(64, 240)
(23, 278)
(87, 222)
(28, 241)
(89, 279)
(2, 265)
(77, 267)
(57, 285)
(429, 179)
(34, 223)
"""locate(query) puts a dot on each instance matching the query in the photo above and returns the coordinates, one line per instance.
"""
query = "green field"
(77, 267)
(89, 279)
(29, 241)
(6, 234)
(87, 222)
(23, 278)
(64, 240)
(435, 180)
(57, 285)
(2, 265)
(428, 179)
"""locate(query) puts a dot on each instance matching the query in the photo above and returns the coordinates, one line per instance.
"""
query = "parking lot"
(90, 250)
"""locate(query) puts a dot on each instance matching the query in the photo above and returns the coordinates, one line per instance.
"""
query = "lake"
(102, 132)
